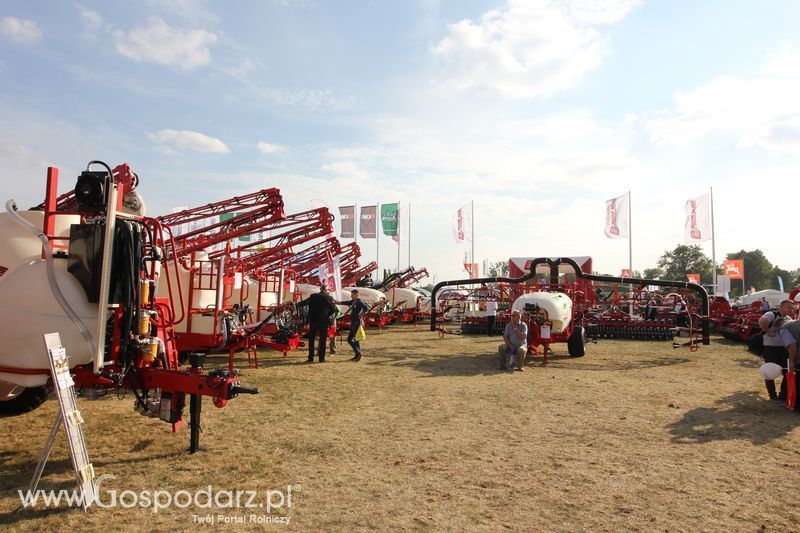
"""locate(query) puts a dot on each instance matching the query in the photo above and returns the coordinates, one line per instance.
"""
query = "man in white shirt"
(491, 314)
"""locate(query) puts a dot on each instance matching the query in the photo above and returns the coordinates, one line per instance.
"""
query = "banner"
(627, 273)
(182, 229)
(472, 269)
(389, 218)
(369, 222)
(330, 274)
(693, 278)
(347, 215)
(462, 224)
(617, 224)
(734, 268)
(402, 226)
(698, 219)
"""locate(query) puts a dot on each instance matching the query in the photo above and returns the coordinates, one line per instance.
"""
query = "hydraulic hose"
(11, 207)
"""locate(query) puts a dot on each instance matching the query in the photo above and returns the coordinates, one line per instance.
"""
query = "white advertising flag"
(698, 219)
(462, 224)
(402, 226)
(617, 223)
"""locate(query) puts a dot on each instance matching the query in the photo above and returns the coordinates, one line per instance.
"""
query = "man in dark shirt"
(357, 311)
(321, 310)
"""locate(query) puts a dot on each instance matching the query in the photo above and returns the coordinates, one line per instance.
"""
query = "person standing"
(321, 309)
(764, 304)
(356, 311)
(774, 350)
(681, 313)
(790, 335)
(491, 314)
(515, 344)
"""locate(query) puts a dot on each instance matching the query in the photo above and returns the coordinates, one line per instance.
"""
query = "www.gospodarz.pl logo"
(155, 500)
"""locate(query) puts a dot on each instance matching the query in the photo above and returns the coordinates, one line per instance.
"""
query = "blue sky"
(538, 111)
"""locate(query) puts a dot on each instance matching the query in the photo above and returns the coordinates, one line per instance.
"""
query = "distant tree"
(757, 271)
(498, 269)
(795, 280)
(684, 260)
(653, 273)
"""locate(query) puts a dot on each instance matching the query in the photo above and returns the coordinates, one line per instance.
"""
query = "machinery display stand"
(70, 416)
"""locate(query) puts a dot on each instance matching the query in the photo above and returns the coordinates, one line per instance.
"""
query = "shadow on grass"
(454, 365)
(36, 513)
(740, 416)
(729, 342)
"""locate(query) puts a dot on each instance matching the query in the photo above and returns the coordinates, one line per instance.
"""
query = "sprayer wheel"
(29, 399)
(576, 344)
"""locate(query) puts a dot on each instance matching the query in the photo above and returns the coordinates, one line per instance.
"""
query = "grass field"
(426, 434)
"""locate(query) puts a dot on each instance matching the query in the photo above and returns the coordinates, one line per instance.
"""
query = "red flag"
(734, 268)
(693, 278)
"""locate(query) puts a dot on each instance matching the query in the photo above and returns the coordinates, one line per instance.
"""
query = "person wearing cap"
(514, 349)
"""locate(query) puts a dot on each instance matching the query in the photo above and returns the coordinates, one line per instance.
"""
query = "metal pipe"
(105, 274)
(553, 263)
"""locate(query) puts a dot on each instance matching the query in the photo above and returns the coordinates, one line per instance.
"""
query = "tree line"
(759, 272)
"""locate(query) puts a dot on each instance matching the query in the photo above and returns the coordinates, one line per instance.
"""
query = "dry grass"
(426, 434)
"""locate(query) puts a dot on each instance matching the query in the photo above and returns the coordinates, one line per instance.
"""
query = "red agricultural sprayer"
(556, 298)
(90, 265)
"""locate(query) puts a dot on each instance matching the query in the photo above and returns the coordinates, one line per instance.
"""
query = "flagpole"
(409, 234)
(472, 213)
(630, 246)
(378, 242)
(713, 246)
(630, 235)
(397, 232)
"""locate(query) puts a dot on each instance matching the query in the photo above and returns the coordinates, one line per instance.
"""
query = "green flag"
(227, 216)
(389, 219)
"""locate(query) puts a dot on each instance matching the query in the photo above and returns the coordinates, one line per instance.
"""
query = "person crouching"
(514, 349)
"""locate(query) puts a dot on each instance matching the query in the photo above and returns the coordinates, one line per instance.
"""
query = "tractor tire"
(25, 401)
(576, 344)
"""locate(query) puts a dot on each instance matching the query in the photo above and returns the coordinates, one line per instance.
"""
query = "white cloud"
(269, 148)
(20, 30)
(295, 3)
(188, 140)
(92, 22)
(302, 98)
(532, 49)
(592, 12)
(162, 44)
(346, 169)
(762, 111)
(193, 11)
